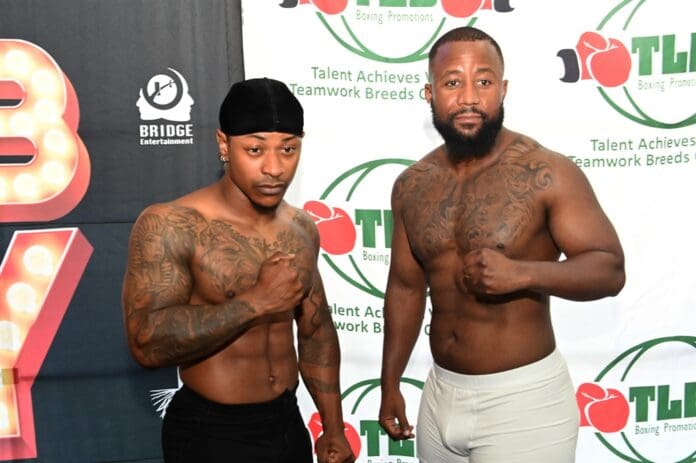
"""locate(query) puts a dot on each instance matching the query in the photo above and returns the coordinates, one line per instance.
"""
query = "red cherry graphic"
(462, 8)
(607, 62)
(336, 229)
(316, 428)
(331, 6)
(605, 410)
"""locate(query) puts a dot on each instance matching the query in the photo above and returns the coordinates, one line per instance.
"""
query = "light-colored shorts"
(524, 415)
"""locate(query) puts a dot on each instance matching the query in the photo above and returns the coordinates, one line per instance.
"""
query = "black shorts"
(196, 430)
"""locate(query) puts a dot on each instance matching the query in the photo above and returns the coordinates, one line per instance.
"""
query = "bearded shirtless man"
(215, 281)
(481, 222)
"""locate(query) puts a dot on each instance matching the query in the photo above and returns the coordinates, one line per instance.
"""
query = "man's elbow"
(619, 283)
(618, 278)
(140, 358)
(142, 354)
(612, 288)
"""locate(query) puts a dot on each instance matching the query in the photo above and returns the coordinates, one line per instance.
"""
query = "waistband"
(548, 367)
(187, 397)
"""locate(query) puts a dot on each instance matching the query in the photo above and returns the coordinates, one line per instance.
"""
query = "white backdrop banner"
(612, 85)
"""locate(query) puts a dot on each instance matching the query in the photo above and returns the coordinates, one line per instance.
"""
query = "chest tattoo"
(230, 259)
(492, 208)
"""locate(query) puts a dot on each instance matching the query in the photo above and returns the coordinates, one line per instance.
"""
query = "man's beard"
(461, 147)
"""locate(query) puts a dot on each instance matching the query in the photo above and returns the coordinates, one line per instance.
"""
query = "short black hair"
(464, 34)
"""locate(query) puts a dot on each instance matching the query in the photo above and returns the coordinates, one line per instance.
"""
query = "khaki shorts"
(527, 414)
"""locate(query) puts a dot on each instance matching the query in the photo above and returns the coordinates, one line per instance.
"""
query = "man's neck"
(467, 163)
(238, 205)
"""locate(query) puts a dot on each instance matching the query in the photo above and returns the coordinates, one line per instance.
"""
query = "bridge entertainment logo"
(166, 97)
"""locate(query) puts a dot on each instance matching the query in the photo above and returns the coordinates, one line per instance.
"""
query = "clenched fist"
(278, 287)
(489, 272)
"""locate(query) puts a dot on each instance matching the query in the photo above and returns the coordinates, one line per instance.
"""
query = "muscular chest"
(228, 258)
(500, 208)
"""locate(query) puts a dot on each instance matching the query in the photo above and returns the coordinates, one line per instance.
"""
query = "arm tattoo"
(196, 333)
(318, 385)
(318, 343)
(155, 262)
(162, 325)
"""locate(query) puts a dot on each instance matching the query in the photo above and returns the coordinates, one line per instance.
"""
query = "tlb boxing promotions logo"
(166, 97)
(406, 28)
(644, 68)
(642, 406)
(367, 439)
(355, 223)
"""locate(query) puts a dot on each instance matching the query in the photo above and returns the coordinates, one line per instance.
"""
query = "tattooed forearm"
(319, 352)
(320, 316)
(178, 335)
(315, 385)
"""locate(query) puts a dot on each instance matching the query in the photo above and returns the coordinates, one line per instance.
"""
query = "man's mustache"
(466, 111)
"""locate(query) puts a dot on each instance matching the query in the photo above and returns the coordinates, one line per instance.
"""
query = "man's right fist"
(278, 286)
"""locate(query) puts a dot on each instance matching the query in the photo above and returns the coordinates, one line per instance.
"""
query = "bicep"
(157, 275)
(577, 222)
(405, 271)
